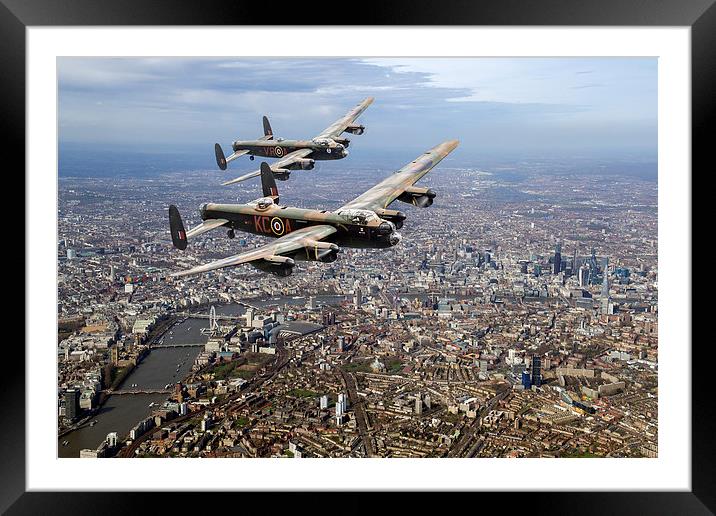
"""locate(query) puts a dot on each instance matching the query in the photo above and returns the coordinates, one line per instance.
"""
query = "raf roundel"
(279, 151)
(277, 226)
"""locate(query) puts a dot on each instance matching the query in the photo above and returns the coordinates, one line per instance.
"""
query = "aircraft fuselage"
(279, 149)
(276, 221)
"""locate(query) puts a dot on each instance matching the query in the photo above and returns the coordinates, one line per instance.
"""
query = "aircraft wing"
(307, 238)
(385, 192)
(282, 163)
(340, 125)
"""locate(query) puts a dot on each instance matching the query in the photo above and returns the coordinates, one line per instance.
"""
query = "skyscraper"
(249, 315)
(536, 371)
(526, 381)
(574, 262)
(557, 265)
(605, 283)
(72, 404)
(593, 268)
(606, 301)
(584, 275)
(341, 405)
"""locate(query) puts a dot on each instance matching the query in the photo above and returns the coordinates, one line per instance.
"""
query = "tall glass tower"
(536, 370)
(557, 266)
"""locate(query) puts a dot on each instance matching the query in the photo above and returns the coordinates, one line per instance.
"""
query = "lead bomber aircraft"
(295, 154)
(313, 235)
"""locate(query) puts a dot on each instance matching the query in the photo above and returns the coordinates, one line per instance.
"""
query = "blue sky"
(551, 107)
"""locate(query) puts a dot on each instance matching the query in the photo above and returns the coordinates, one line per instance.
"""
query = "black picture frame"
(700, 15)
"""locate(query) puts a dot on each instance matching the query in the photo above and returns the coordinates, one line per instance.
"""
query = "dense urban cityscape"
(517, 318)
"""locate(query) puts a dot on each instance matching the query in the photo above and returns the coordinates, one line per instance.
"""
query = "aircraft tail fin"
(268, 132)
(268, 182)
(220, 158)
(176, 228)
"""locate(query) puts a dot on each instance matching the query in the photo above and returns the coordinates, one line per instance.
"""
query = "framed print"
(424, 257)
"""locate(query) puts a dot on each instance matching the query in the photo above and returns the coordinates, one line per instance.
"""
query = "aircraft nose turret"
(387, 231)
(385, 228)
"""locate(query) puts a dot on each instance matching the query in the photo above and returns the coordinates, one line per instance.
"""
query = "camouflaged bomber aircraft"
(295, 154)
(365, 222)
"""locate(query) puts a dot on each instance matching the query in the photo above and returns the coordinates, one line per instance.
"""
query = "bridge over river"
(213, 316)
(217, 317)
(156, 345)
(121, 392)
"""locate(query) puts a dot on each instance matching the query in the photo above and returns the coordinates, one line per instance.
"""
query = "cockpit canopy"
(360, 217)
(324, 142)
(262, 203)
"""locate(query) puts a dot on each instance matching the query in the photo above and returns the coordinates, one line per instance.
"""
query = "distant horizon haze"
(499, 108)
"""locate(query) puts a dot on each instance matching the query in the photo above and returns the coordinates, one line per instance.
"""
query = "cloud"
(592, 85)
(491, 104)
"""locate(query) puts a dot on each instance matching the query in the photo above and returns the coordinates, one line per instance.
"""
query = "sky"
(538, 107)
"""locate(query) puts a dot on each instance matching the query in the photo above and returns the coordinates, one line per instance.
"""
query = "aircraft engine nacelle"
(355, 129)
(278, 266)
(281, 174)
(303, 164)
(328, 255)
(387, 232)
(343, 141)
(394, 216)
(420, 197)
(422, 201)
(318, 251)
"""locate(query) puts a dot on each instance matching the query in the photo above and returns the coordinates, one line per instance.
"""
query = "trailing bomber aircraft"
(365, 222)
(295, 154)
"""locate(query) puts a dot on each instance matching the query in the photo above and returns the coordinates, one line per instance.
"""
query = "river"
(121, 412)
